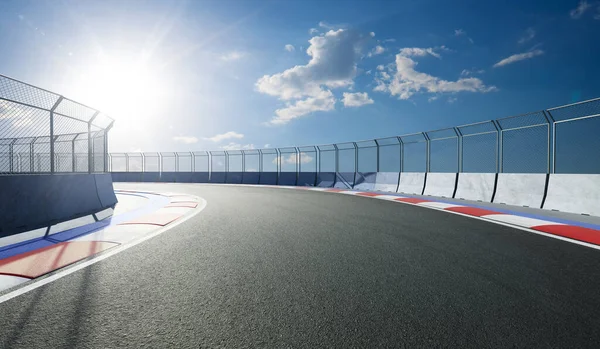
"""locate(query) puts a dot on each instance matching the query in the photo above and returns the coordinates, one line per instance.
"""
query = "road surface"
(278, 268)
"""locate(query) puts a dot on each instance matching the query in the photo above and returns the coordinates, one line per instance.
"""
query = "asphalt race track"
(278, 268)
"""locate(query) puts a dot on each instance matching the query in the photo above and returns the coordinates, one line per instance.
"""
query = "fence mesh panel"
(41, 131)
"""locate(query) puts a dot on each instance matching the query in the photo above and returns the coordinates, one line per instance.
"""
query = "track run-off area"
(274, 267)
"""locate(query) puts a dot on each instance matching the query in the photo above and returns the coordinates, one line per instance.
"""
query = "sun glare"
(124, 89)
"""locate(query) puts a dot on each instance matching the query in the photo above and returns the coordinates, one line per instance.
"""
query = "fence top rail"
(572, 104)
(60, 101)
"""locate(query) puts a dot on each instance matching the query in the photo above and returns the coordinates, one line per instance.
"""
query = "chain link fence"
(558, 140)
(43, 132)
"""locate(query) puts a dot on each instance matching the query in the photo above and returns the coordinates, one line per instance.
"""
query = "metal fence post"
(427, 152)
(74, 164)
(260, 161)
(60, 98)
(337, 158)
(176, 162)
(318, 152)
(459, 149)
(143, 162)
(278, 162)
(31, 162)
(192, 162)
(377, 148)
(355, 157)
(90, 143)
(160, 163)
(11, 156)
(106, 145)
(401, 154)
(243, 160)
(499, 136)
(551, 149)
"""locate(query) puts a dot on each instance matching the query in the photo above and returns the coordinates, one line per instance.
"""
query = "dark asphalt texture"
(279, 268)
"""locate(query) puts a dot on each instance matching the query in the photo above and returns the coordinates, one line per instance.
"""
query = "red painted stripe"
(157, 218)
(573, 232)
(368, 194)
(412, 200)
(472, 211)
(183, 204)
(44, 260)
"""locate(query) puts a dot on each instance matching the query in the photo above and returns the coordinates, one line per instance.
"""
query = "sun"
(126, 89)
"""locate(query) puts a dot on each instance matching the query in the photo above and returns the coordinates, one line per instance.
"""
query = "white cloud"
(237, 146)
(432, 98)
(389, 40)
(377, 51)
(404, 80)
(356, 99)
(232, 56)
(372, 34)
(597, 15)
(529, 34)
(459, 32)
(518, 57)
(380, 67)
(467, 72)
(292, 159)
(577, 12)
(452, 99)
(419, 52)
(226, 135)
(185, 139)
(325, 101)
(267, 145)
(307, 88)
(289, 48)
(313, 31)
(368, 72)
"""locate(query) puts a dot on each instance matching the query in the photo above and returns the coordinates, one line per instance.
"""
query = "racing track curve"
(266, 267)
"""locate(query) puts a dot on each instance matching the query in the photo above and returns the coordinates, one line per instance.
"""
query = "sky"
(222, 75)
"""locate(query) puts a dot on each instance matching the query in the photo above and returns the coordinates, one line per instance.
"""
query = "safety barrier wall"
(411, 183)
(344, 180)
(521, 189)
(577, 193)
(365, 180)
(440, 184)
(387, 181)
(476, 186)
(32, 201)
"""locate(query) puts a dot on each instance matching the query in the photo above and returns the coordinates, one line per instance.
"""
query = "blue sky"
(210, 75)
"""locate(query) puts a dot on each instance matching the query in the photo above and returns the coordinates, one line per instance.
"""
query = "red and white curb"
(566, 232)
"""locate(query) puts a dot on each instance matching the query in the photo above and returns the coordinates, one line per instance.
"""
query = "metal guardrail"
(43, 132)
(564, 139)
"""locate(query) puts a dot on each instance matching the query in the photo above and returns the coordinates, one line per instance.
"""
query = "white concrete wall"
(576, 193)
(411, 182)
(521, 189)
(386, 181)
(440, 184)
(476, 186)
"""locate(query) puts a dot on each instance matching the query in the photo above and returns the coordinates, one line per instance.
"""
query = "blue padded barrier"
(199, 177)
(344, 180)
(168, 177)
(307, 178)
(250, 178)
(183, 177)
(217, 177)
(268, 178)
(365, 180)
(287, 178)
(105, 190)
(325, 179)
(151, 177)
(234, 177)
(31, 201)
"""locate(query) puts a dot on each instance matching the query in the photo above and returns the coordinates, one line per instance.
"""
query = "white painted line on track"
(69, 270)
(441, 205)
(518, 220)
